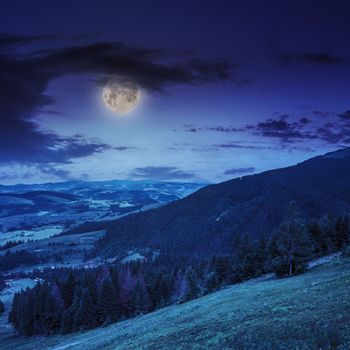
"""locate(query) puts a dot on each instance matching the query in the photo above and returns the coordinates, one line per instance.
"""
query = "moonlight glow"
(121, 95)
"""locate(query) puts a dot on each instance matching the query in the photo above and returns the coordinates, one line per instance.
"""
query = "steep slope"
(205, 221)
(303, 312)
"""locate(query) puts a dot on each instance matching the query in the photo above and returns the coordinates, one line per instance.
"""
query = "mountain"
(308, 311)
(41, 210)
(205, 221)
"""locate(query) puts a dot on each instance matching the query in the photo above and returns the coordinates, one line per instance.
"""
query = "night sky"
(228, 88)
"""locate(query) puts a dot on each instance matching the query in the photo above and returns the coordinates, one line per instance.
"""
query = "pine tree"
(25, 316)
(49, 316)
(192, 289)
(320, 245)
(68, 290)
(327, 227)
(86, 317)
(2, 282)
(222, 269)
(139, 301)
(108, 302)
(293, 247)
(56, 296)
(67, 322)
(260, 255)
(243, 258)
(341, 233)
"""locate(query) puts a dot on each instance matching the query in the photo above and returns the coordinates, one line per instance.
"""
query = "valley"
(151, 256)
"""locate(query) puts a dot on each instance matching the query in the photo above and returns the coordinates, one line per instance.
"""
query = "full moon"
(121, 95)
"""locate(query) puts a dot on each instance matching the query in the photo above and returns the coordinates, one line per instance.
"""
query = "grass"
(309, 311)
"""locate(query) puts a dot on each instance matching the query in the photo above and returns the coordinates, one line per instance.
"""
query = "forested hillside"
(70, 300)
(206, 221)
(308, 311)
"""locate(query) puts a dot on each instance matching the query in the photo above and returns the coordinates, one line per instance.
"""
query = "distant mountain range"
(63, 206)
(205, 221)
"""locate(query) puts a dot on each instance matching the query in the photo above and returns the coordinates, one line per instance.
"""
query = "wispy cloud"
(237, 171)
(161, 173)
(330, 128)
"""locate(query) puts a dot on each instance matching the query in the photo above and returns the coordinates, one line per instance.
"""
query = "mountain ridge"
(206, 221)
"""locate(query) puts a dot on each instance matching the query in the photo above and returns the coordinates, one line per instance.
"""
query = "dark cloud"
(218, 128)
(193, 130)
(317, 58)
(345, 115)
(123, 148)
(227, 129)
(321, 114)
(281, 129)
(334, 135)
(287, 131)
(50, 148)
(235, 171)
(76, 147)
(24, 79)
(304, 120)
(11, 40)
(150, 68)
(292, 132)
(161, 173)
(239, 146)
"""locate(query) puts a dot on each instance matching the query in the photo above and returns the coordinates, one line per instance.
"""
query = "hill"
(29, 211)
(205, 221)
(309, 311)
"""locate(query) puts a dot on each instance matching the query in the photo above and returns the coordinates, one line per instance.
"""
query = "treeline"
(72, 300)
(21, 257)
(2, 287)
(2, 282)
(11, 244)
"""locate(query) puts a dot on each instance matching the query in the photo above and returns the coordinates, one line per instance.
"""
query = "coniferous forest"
(70, 300)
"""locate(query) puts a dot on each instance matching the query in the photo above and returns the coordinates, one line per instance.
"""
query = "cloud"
(333, 135)
(235, 171)
(13, 40)
(48, 148)
(316, 58)
(161, 173)
(295, 131)
(345, 115)
(240, 146)
(304, 120)
(218, 128)
(24, 80)
(227, 129)
(123, 148)
(321, 114)
(150, 68)
(52, 170)
(287, 131)
(282, 129)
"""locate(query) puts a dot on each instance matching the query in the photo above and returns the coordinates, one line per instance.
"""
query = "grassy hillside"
(309, 311)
